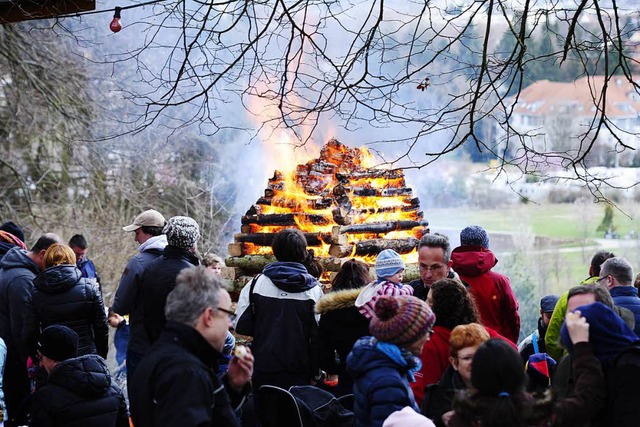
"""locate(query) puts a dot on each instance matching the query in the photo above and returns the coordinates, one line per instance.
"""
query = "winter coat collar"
(173, 252)
(472, 260)
(59, 278)
(290, 276)
(336, 300)
(189, 338)
(366, 356)
(624, 291)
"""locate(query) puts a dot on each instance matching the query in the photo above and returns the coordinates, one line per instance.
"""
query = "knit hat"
(388, 263)
(609, 335)
(182, 232)
(58, 343)
(13, 228)
(401, 320)
(148, 218)
(407, 417)
(474, 235)
(548, 303)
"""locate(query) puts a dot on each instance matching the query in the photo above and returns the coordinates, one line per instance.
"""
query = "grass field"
(571, 221)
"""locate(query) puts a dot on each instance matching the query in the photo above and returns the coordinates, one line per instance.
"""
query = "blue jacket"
(129, 291)
(381, 383)
(627, 297)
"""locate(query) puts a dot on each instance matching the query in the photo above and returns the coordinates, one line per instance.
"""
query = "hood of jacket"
(290, 276)
(472, 260)
(18, 258)
(157, 243)
(86, 376)
(337, 300)
(366, 356)
(57, 279)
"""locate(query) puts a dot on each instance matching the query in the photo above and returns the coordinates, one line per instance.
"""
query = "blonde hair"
(212, 260)
(59, 254)
(463, 336)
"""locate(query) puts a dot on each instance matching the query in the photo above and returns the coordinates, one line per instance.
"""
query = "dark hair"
(598, 259)
(353, 274)
(44, 242)
(290, 245)
(312, 265)
(498, 397)
(154, 231)
(453, 305)
(600, 293)
(437, 240)
(78, 241)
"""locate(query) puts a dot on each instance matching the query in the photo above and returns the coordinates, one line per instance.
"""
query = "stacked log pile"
(344, 209)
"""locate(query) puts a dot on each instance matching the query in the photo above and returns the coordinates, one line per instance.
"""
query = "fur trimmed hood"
(337, 300)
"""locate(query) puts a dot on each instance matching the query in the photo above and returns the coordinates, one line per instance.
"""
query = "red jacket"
(491, 291)
(435, 359)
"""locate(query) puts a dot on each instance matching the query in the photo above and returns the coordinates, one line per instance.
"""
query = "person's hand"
(240, 370)
(114, 320)
(577, 327)
(446, 417)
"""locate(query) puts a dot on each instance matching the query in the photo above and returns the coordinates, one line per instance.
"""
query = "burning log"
(370, 174)
(266, 239)
(255, 263)
(373, 247)
(376, 227)
(285, 219)
(313, 204)
(382, 192)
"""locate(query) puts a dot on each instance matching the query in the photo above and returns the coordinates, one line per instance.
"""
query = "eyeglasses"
(602, 278)
(434, 267)
(232, 315)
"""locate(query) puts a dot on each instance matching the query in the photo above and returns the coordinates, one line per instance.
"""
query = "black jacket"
(439, 397)
(61, 296)
(158, 279)
(341, 325)
(284, 325)
(17, 272)
(79, 393)
(176, 384)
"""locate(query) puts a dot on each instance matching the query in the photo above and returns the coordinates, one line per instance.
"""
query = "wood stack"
(345, 210)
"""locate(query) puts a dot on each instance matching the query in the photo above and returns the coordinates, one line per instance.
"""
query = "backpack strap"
(534, 340)
(252, 302)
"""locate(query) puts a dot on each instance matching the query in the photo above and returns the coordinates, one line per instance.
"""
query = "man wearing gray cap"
(148, 228)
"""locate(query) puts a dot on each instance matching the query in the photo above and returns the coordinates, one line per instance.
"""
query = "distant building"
(555, 115)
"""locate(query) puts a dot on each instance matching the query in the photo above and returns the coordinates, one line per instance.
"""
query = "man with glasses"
(616, 275)
(434, 263)
(497, 305)
(176, 384)
(552, 338)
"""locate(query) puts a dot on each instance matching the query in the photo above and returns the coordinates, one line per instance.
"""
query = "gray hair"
(196, 289)
(620, 269)
(437, 240)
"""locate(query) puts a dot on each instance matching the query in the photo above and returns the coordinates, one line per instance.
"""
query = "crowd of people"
(441, 350)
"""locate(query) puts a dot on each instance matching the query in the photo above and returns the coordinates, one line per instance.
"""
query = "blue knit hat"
(388, 263)
(474, 235)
